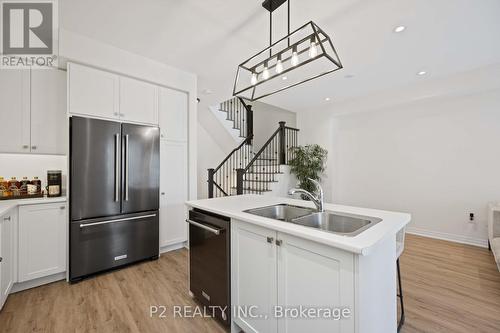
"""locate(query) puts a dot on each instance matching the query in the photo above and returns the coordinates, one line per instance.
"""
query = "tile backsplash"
(27, 165)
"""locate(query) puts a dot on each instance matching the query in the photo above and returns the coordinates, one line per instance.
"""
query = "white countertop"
(6, 205)
(233, 207)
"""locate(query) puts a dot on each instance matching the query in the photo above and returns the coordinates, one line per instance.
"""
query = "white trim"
(448, 237)
(38, 282)
(173, 247)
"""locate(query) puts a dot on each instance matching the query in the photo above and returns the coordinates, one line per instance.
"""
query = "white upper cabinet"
(15, 111)
(33, 111)
(101, 94)
(49, 124)
(92, 92)
(138, 101)
(173, 114)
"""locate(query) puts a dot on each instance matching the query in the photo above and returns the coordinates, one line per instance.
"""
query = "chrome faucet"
(318, 200)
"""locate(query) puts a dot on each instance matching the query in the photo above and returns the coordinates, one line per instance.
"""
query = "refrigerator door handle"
(117, 220)
(117, 167)
(126, 166)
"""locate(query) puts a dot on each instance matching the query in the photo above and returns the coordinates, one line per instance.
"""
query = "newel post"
(211, 183)
(282, 144)
(239, 181)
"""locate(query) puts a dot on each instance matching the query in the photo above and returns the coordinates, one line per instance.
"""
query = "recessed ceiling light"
(349, 76)
(327, 99)
(284, 78)
(422, 73)
(399, 28)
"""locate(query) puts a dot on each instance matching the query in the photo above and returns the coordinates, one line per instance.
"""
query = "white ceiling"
(211, 37)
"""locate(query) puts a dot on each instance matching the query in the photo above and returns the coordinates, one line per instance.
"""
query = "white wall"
(209, 156)
(24, 165)
(437, 159)
(266, 118)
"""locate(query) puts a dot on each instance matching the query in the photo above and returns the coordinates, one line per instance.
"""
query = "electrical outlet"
(471, 217)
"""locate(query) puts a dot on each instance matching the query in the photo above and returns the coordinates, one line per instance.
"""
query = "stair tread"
(260, 181)
(252, 189)
(265, 173)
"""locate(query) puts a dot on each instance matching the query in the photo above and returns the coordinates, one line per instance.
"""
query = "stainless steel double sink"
(334, 222)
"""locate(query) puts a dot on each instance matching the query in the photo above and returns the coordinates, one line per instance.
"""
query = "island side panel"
(376, 301)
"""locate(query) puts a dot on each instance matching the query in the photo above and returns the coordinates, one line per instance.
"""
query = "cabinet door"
(15, 111)
(49, 123)
(92, 92)
(138, 101)
(42, 240)
(253, 277)
(173, 192)
(315, 276)
(173, 114)
(7, 255)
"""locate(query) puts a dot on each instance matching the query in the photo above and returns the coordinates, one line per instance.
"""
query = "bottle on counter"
(14, 187)
(23, 188)
(4, 188)
(38, 183)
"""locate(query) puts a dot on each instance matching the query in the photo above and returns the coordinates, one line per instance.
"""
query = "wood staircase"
(244, 171)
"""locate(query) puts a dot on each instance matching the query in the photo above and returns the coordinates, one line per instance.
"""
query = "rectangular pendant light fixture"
(303, 55)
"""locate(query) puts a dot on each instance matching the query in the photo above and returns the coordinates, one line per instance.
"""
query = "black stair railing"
(222, 179)
(240, 114)
(244, 171)
(259, 173)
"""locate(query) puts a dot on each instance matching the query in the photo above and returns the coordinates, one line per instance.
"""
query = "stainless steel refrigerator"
(114, 195)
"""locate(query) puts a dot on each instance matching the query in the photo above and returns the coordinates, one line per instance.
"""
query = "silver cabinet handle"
(117, 167)
(122, 114)
(25, 146)
(33, 147)
(1, 259)
(6, 218)
(126, 167)
(270, 239)
(213, 230)
(279, 242)
(162, 193)
(62, 207)
(117, 220)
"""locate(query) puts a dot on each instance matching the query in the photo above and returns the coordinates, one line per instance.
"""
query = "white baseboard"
(20, 286)
(173, 247)
(448, 237)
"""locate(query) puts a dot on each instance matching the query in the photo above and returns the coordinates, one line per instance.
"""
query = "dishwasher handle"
(204, 226)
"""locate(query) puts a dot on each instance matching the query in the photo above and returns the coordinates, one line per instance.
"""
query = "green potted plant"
(308, 162)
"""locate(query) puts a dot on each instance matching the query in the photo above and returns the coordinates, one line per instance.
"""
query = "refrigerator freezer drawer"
(100, 244)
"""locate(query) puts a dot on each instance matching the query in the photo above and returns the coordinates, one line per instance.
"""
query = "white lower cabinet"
(7, 222)
(254, 277)
(276, 275)
(42, 240)
(173, 192)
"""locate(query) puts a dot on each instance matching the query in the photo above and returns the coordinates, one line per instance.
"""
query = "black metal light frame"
(317, 35)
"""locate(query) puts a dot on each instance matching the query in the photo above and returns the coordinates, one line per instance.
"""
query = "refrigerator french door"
(114, 195)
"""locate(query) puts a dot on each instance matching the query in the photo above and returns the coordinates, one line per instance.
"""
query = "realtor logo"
(29, 33)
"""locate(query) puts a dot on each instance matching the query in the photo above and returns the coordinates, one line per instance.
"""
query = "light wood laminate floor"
(448, 287)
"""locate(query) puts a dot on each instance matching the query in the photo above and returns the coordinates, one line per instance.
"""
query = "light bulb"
(313, 49)
(279, 66)
(265, 72)
(295, 57)
(254, 79)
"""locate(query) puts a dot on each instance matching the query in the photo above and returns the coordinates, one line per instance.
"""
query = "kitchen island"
(287, 277)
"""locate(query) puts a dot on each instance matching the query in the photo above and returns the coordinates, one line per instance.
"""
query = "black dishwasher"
(209, 262)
